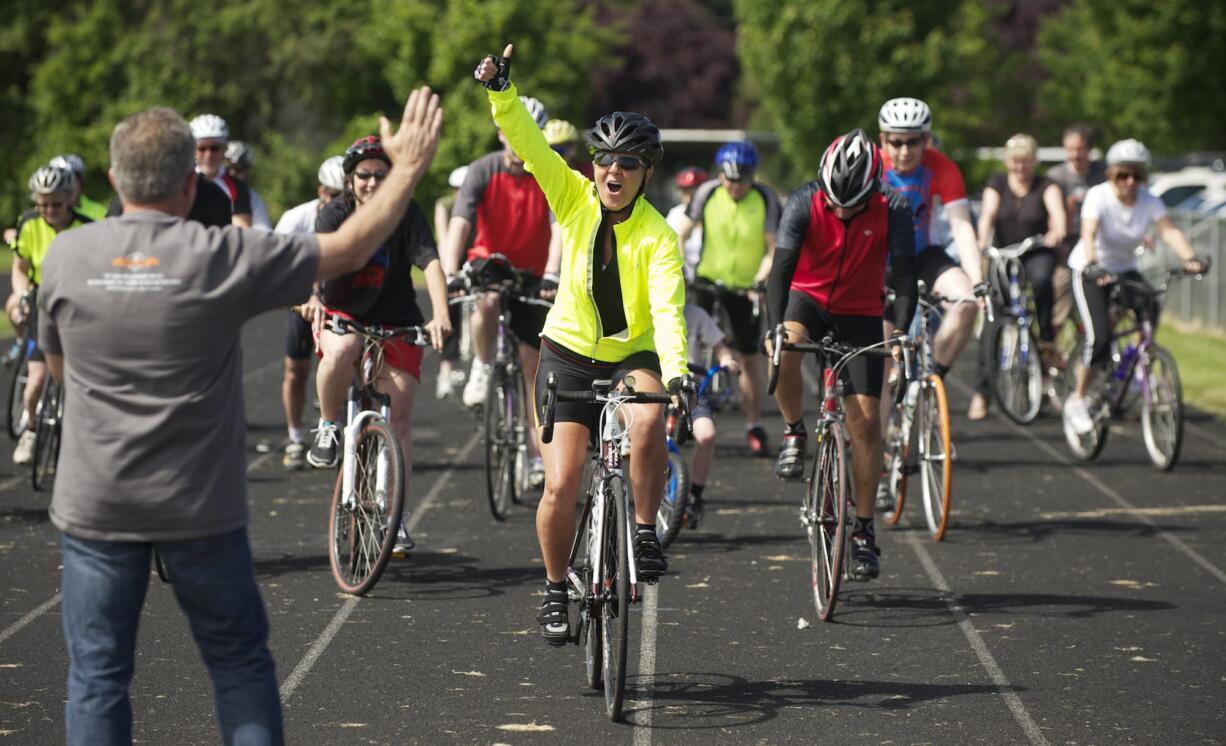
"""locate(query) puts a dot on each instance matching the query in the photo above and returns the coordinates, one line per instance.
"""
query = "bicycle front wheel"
(1016, 371)
(501, 449)
(825, 518)
(936, 464)
(615, 596)
(897, 452)
(1162, 410)
(362, 526)
(47, 436)
(676, 494)
(17, 387)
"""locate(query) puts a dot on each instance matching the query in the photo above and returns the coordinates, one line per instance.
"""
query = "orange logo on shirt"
(136, 261)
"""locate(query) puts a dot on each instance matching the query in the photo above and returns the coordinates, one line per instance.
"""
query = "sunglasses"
(1127, 176)
(624, 162)
(49, 205)
(368, 175)
(214, 148)
(904, 142)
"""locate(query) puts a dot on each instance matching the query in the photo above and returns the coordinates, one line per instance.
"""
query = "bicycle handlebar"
(844, 353)
(415, 335)
(602, 392)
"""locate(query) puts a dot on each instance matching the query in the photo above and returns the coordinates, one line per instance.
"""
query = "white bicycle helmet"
(70, 161)
(240, 154)
(455, 179)
(209, 127)
(536, 109)
(52, 180)
(332, 173)
(904, 115)
(1128, 152)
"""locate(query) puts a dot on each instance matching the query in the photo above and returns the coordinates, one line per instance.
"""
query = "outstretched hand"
(494, 72)
(414, 144)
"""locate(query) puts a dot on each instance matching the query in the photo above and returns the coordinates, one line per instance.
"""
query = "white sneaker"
(404, 542)
(536, 473)
(474, 390)
(24, 453)
(1077, 412)
(443, 387)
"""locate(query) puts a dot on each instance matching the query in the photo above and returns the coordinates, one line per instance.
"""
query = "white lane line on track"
(12, 482)
(299, 674)
(1014, 702)
(49, 604)
(647, 667)
(52, 602)
(1140, 514)
(1205, 434)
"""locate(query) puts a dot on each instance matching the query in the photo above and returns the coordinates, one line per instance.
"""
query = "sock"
(864, 526)
(795, 428)
(650, 527)
(297, 434)
(550, 585)
(940, 370)
(696, 491)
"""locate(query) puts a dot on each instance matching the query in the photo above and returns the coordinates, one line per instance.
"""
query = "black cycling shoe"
(693, 515)
(791, 462)
(554, 618)
(649, 556)
(864, 554)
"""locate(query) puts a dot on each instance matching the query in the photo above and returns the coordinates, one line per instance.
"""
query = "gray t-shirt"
(147, 311)
(1075, 186)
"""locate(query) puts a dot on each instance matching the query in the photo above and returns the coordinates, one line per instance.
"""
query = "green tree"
(818, 68)
(1139, 69)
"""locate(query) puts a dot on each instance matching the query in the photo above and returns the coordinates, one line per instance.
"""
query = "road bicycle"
(48, 427)
(921, 414)
(506, 401)
(368, 499)
(1140, 370)
(602, 580)
(670, 516)
(17, 357)
(1014, 365)
(827, 511)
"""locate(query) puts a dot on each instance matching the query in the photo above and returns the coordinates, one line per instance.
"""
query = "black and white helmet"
(904, 115)
(1129, 152)
(626, 132)
(851, 169)
(240, 154)
(536, 109)
(209, 127)
(70, 161)
(332, 173)
(52, 180)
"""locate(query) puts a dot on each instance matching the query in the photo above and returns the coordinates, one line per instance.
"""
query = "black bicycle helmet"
(851, 169)
(362, 149)
(626, 132)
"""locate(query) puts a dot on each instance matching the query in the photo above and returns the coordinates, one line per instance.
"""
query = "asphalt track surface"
(1069, 604)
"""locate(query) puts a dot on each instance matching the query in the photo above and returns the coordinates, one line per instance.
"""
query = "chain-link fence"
(1200, 302)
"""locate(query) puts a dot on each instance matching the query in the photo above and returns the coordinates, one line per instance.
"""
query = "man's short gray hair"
(152, 152)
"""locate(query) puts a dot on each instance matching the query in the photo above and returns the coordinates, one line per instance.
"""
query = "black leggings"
(1040, 267)
(1094, 305)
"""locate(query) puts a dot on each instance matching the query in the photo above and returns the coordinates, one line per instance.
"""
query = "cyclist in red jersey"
(926, 178)
(835, 237)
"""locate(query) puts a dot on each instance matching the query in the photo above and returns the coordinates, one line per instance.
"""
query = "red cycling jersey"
(510, 212)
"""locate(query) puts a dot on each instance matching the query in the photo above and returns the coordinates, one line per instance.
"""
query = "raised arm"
(1057, 218)
(411, 150)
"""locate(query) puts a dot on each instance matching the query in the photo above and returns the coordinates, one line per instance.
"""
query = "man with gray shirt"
(1075, 176)
(141, 318)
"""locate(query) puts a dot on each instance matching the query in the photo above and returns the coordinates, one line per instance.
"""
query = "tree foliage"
(1139, 69)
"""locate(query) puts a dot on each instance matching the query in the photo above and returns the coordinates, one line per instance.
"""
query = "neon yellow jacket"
(648, 257)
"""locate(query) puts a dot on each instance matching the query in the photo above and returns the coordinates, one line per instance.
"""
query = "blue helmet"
(737, 160)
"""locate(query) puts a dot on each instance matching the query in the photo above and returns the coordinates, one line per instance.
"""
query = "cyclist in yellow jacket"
(619, 310)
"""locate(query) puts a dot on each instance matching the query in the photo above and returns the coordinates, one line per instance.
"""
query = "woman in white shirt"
(1115, 217)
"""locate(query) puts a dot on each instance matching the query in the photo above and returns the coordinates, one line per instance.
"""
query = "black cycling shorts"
(299, 342)
(864, 374)
(746, 327)
(576, 373)
(930, 265)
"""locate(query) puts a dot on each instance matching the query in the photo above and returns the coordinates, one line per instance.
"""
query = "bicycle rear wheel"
(1016, 371)
(615, 596)
(936, 464)
(1162, 410)
(47, 435)
(1085, 446)
(17, 387)
(501, 449)
(898, 450)
(825, 518)
(362, 528)
(676, 494)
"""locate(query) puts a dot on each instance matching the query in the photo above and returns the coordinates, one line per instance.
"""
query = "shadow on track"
(712, 700)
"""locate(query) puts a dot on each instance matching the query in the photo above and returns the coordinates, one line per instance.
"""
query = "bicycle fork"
(349, 462)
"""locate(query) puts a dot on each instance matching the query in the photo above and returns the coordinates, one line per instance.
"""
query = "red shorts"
(398, 353)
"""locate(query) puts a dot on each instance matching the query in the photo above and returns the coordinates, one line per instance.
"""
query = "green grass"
(1201, 357)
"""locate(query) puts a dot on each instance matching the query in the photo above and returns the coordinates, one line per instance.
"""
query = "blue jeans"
(214, 581)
